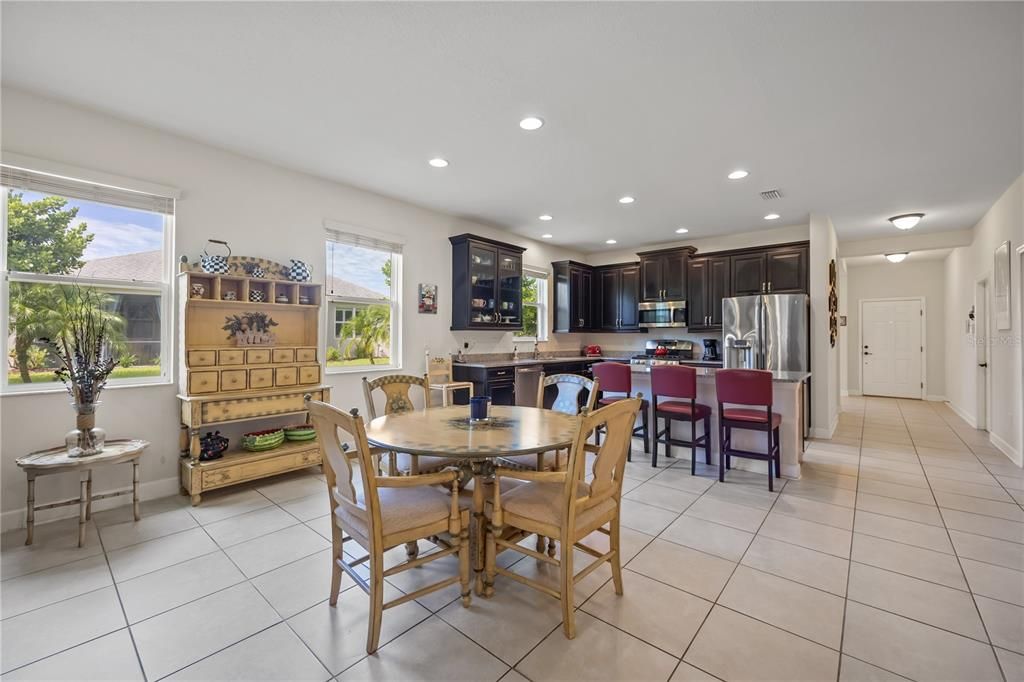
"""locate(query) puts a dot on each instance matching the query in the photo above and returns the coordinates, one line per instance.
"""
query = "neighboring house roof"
(146, 266)
(346, 289)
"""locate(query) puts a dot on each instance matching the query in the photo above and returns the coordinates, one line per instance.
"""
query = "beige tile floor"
(899, 554)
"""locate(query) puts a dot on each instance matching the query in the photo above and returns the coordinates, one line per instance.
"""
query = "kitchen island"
(789, 396)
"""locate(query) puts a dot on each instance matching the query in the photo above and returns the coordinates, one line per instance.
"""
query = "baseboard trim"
(844, 393)
(1006, 448)
(963, 415)
(14, 519)
(936, 398)
(854, 393)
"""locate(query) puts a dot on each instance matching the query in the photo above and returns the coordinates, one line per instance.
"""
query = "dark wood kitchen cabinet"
(708, 282)
(663, 274)
(487, 284)
(775, 270)
(573, 296)
(618, 297)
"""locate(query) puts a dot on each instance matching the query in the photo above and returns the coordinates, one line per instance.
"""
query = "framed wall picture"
(428, 299)
(1001, 287)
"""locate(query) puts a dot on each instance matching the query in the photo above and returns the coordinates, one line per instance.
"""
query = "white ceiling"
(912, 257)
(859, 111)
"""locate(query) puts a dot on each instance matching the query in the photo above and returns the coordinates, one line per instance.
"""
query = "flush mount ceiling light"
(906, 221)
(531, 123)
(544, 217)
(895, 257)
(438, 162)
(547, 236)
(738, 174)
(610, 241)
(626, 200)
(681, 230)
(772, 216)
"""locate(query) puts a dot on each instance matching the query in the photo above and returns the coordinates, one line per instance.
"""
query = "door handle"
(982, 364)
(866, 353)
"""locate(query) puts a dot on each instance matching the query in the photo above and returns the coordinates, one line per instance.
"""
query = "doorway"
(981, 340)
(892, 347)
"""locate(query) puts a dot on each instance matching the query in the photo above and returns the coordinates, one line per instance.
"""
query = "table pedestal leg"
(83, 496)
(30, 520)
(88, 501)
(135, 490)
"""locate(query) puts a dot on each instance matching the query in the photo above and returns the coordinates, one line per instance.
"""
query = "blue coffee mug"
(479, 408)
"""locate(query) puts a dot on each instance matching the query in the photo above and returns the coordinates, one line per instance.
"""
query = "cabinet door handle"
(769, 287)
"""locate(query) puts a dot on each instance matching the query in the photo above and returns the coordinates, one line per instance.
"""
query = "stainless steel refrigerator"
(770, 331)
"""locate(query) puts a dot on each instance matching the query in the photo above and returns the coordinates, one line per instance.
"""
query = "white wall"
(964, 266)
(262, 210)
(925, 278)
(824, 356)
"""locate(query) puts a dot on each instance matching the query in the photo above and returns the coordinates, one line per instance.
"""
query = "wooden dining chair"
(398, 398)
(561, 504)
(385, 512)
(440, 377)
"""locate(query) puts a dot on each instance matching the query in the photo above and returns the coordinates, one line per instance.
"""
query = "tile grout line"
(853, 530)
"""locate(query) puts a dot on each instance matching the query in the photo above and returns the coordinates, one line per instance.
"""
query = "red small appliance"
(592, 351)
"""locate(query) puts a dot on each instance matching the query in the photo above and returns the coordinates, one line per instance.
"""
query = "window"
(535, 305)
(363, 294)
(59, 233)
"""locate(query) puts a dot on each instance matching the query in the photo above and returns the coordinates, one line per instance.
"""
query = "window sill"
(362, 369)
(50, 388)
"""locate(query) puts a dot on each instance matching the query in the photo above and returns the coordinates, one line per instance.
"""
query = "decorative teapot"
(299, 271)
(215, 265)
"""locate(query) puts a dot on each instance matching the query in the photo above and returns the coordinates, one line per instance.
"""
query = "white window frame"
(344, 234)
(164, 289)
(543, 296)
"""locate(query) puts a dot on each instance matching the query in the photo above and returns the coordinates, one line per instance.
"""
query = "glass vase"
(86, 438)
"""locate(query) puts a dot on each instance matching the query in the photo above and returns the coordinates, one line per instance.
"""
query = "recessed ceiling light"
(906, 221)
(682, 230)
(626, 200)
(772, 216)
(544, 217)
(547, 236)
(438, 163)
(610, 241)
(895, 257)
(531, 123)
(738, 174)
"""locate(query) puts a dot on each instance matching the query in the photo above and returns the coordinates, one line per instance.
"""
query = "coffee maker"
(711, 350)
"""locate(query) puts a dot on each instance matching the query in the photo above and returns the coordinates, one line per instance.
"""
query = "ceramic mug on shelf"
(229, 296)
(198, 289)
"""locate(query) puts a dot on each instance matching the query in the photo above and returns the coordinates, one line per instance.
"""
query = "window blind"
(364, 241)
(21, 178)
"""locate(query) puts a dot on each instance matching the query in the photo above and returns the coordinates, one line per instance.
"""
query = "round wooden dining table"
(448, 432)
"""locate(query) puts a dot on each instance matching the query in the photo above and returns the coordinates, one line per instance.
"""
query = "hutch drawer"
(231, 357)
(258, 356)
(283, 355)
(233, 379)
(202, 358)
(305, 354)
(235, 408)
(309, 374)
(202, 382)
(286, 376)
(261, 378)
(218, 478)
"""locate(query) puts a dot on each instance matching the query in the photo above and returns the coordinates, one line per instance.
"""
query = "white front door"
(891, 348)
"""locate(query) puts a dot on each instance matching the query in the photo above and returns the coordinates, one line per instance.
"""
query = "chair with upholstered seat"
(752, 390)
(678, 383)
(440, 378)
(397, 398)
(617, 377)
(385, 512)
(563, 505)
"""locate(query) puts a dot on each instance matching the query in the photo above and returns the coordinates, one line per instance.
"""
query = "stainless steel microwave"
(663, 314)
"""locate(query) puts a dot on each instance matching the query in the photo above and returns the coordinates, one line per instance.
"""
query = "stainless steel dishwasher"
(527, 382)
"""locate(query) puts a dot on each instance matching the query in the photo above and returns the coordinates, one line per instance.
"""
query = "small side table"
(56, 461)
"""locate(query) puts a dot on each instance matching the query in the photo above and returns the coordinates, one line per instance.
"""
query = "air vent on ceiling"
(770, 194)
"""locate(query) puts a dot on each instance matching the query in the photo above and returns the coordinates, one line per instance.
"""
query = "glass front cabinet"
(487, 284)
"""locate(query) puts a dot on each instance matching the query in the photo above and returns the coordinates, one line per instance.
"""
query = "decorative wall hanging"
(833, 304)
(1001, 287)
(250, 329)
(428, 299)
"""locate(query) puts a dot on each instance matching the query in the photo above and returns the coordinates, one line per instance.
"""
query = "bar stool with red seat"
(616, 377)
(679, 381)
(752, 389)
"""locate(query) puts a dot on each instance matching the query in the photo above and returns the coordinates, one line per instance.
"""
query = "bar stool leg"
(721, 454)
(707, 439)
(693, 445)
(668, 434)
(647, 432)
(654, 454)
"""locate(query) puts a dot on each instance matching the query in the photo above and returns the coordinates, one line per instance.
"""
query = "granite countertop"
(525, 362)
